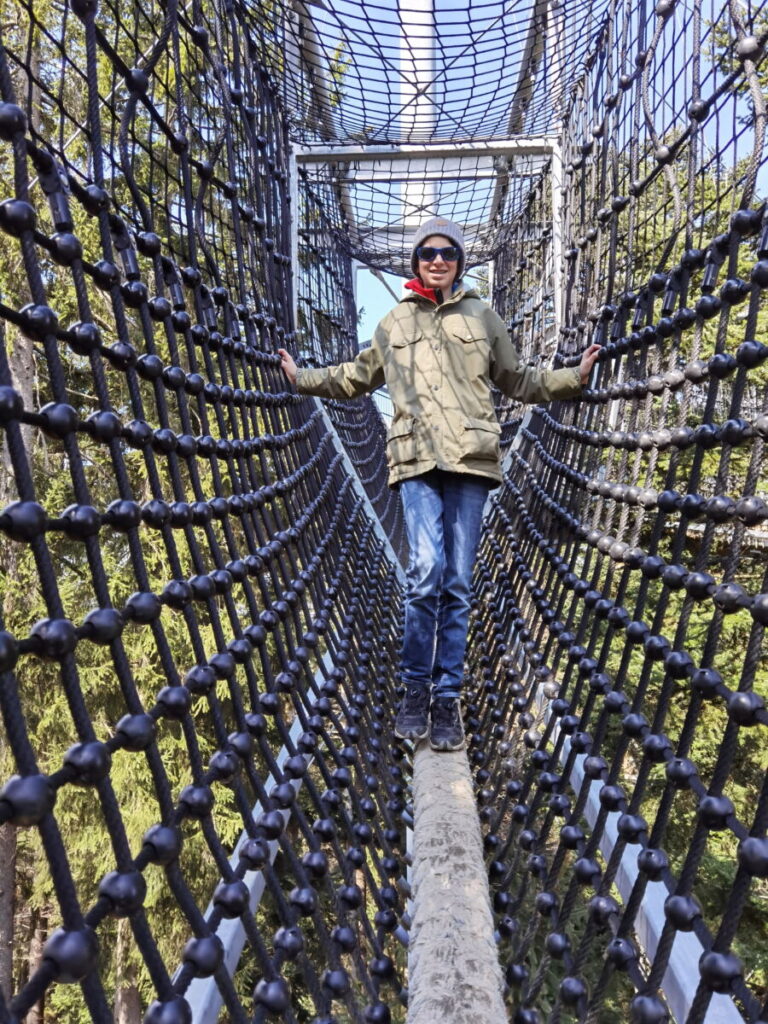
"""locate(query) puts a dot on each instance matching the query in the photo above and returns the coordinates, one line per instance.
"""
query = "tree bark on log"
(453, 966)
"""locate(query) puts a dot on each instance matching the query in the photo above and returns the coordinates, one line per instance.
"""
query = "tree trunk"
(127, 1002)
(39, 934)
(7, 906)
(21, 357)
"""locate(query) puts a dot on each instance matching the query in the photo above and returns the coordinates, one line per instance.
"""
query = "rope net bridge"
(204, 813)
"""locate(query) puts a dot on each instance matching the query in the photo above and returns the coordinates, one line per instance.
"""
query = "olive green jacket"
(438, 363)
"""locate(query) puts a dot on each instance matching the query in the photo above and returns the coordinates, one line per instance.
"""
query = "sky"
(375, 300)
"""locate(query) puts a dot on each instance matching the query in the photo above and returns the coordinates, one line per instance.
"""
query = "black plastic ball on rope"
(731, 598)
(344, 937)
(13, 121)
(23, 520)
(232, 898)
(753, 856)
(274, 995)
(708, 306)
(707, 681)
(681, 771)
(526, 1015)
(682, 912)
(254, 853)
(73, 953)
(17, 216)
(516, 974)
(25, 800)
(55, 639)
(38, 321)
(336, 982)
(377, 1013)
(304, 900)
(646, 1009)
(290, 940)
(715, 811)
(169, 1011)
(163, 844)
(652, 862)
(137, 731)
(621, 953)
(196, 801)
(65, 248)
(752, 510)
(90, 762)
(734, 291)
(105, 274)
(80, 521)
(143, 607)
(204, 954)
(746, 222)
(546, 903)
(719, 971)
(745, 706)
(572, 990)
(124, 890)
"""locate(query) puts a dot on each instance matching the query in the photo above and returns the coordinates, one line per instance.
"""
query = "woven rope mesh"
(204, 812)
(476, 56)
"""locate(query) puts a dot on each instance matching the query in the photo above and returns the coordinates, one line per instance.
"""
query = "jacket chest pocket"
(407, 349)
(405, 344)
(472, 350)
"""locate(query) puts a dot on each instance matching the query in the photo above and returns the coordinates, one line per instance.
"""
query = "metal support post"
(556, 184)
(556, 48)
(293, 185)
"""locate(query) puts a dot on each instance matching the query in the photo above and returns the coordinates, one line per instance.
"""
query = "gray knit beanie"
(446, 228)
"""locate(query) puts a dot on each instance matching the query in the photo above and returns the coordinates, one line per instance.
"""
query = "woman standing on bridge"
(438, 351)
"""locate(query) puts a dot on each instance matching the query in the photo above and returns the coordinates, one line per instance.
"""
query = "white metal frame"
(321, 153)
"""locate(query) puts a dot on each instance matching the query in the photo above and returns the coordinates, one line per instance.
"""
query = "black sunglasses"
(427, 253)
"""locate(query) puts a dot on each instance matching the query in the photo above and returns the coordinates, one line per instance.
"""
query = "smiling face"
(437, 273)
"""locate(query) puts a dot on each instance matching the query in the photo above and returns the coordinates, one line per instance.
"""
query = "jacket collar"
(417, 290)
(415, 285)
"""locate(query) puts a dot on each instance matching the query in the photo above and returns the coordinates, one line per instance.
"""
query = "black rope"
(200, 621)
(230, 574)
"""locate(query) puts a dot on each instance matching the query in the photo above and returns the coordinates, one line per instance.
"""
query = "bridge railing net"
(619, 724)
(327, 334)
(198, 619)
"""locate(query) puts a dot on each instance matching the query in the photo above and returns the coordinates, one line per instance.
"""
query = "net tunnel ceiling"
(426, 71)
(431, 75)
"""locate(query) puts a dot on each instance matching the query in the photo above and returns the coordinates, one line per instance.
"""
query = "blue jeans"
(443, 513)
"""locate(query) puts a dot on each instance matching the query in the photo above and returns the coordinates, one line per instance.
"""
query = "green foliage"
(339, 64)
(46, 706)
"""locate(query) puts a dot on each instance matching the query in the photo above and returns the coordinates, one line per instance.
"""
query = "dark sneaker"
(411, 723)
(446, 731)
